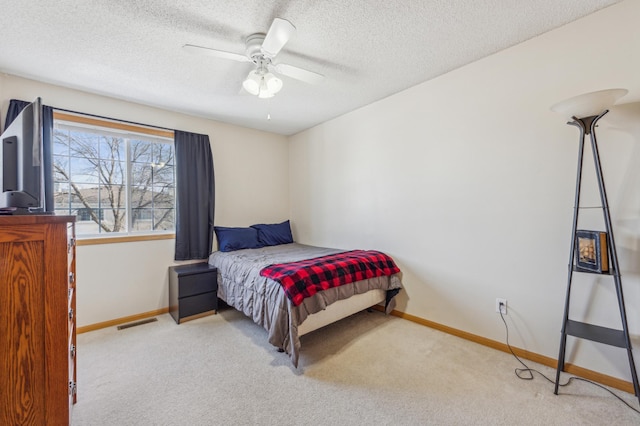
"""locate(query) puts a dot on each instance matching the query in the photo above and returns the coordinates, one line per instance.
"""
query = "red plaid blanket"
(307, 277)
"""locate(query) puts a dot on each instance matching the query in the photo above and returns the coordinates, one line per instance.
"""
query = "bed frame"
(341, 309)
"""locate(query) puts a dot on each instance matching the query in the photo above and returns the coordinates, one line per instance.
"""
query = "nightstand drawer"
(198, 304)
(196, 284)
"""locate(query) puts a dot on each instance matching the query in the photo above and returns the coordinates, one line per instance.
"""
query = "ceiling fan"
(262, 50)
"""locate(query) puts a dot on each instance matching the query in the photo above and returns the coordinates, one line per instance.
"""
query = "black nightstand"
(193, 291)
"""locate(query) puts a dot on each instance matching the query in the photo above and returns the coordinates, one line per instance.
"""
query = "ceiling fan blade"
(199, 50)
(277, 36)
(299, 73)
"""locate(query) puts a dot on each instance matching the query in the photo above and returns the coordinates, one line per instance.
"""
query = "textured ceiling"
(367, 49)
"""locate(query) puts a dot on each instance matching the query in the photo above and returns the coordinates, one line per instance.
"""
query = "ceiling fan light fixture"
(252, 83)
(274, 84)
(262, 84)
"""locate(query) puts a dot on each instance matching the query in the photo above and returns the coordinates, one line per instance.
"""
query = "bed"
(263, 299)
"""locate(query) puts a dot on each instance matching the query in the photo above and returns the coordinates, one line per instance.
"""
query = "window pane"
(113, 172)
(163, 154)
(84, 222)
(61, 196)
(60, 142)
(87, 213)
(113, 220)
(112, 148)
(163, 197)
(61, 171)
(163, 174)
(83, 144)
(141, 174)
(142, 219)
(163, 219)
(141, 197)
(141, 151)
(85, 196)
(84, 170)
(113, 197)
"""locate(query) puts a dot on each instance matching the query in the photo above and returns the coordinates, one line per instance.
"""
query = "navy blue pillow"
(274, 234)
(230, 239)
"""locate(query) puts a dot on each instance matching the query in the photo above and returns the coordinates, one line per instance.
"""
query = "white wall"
(467, 180)
(118, 280)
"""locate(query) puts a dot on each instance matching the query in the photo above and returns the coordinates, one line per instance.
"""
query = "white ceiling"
(367, 49)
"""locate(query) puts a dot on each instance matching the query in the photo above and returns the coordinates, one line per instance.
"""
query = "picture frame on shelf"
(592, 253)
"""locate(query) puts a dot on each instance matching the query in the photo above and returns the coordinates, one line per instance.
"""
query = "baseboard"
(604, 379)
(123, 320)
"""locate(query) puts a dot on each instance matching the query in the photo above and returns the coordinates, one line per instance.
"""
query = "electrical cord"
(526, 373)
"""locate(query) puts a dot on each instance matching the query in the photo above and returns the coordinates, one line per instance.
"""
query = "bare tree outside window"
(113, 183)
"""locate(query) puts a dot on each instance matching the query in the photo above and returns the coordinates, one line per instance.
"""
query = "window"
(115, 177)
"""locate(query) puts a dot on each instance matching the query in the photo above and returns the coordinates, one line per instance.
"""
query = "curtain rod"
(113, 119)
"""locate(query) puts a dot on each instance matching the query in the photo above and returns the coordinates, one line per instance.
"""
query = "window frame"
(152, 133)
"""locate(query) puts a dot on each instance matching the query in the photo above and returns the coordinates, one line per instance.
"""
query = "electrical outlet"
(501, 306)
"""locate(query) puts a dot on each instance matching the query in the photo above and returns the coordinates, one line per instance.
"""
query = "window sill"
(123, 239)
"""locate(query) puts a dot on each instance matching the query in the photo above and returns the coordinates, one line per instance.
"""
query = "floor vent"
(133, 324)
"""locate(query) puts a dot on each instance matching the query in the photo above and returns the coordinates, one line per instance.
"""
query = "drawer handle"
(71, 314)
(72, 351)
(71, 278)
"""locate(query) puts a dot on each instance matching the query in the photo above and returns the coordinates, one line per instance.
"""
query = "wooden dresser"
(37, 319)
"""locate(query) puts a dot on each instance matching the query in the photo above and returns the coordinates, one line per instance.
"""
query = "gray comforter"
(241, 286)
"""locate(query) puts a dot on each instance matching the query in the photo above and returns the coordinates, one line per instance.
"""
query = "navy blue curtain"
(15, 107)
(47, 154)
(195, 196)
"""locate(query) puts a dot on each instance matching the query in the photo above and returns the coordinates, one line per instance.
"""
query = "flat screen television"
(21, 163)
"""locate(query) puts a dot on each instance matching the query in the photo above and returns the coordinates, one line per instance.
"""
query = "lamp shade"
(252, 83)
(624, 117)
(269, 86)
(589, 104)
(265, 94)
(274, 84)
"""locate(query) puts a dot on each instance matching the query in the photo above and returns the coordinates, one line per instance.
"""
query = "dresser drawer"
(71, 301)
(72, 355)
(71, 239)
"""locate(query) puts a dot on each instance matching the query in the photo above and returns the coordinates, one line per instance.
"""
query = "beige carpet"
(366, 369)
